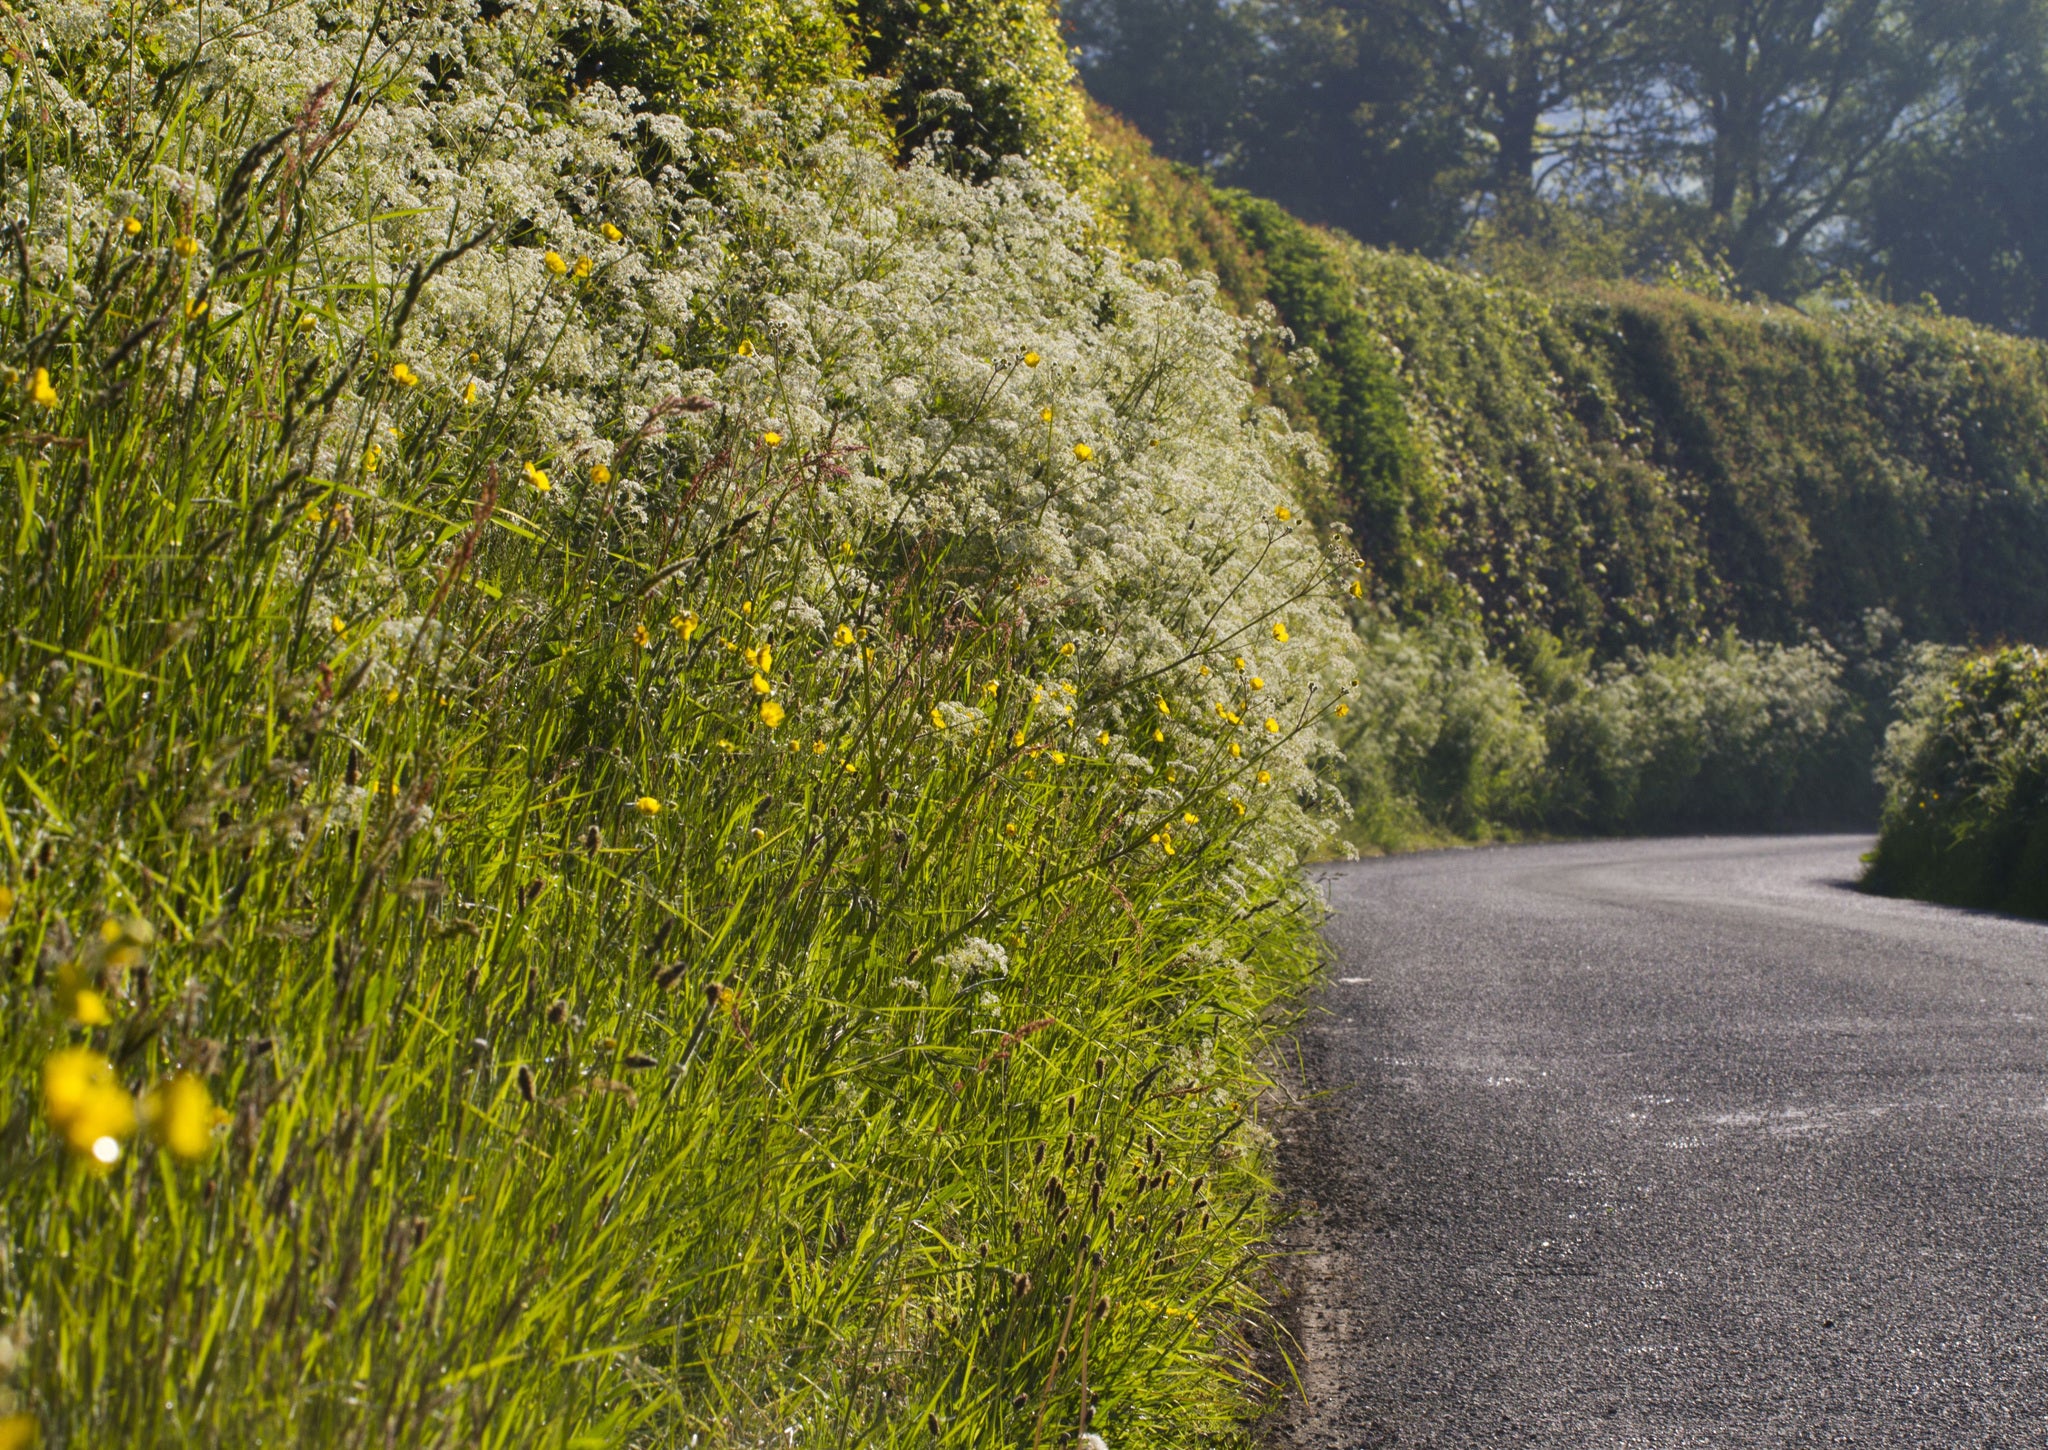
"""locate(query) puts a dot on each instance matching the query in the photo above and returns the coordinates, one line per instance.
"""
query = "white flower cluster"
(974, 367)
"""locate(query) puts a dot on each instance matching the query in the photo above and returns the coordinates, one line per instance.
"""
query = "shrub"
(1966, 814)
(673, 762)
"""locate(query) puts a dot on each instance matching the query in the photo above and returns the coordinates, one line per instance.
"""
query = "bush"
(677, 771)
(1966, 814)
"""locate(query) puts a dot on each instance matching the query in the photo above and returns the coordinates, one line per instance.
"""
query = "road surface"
(1663, 1144)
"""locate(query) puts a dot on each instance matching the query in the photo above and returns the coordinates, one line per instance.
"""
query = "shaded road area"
(1669, 1144)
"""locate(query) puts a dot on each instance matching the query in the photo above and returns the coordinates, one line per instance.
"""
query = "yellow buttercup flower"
(582, 268)
(1265, 777)
(1158, 737)
(611, 233)
(1191, 818)
(745, 349)
(647, 805)
(1357, 589)
(538, 478)
(1237, 805)
(761, 685)
(938, 720)
(80, 1000)
(684, 624)
(1018, 740)
(771, 439)
(1283, 513)
(1258, 683)
(1083, 452)
(1235, 750)
(181, 1116)
(991, 687)
(196, 309)
(641, 637)
(469, 393)
(1272, 726)
(555, 264)
(843, 636)
(1163, 707)
(338, 625)
(1279, 632)
(600, 475)
(307, 322)
(404, 376)
(1342, 711)
(1067, 650)
(1031, 359)
(1103, 738)
(1058, 758)
(1240, 662)
(86, 1104)
(132, 225)
(40, 391)
(187, 247)
(772, 714)
(1045, 415)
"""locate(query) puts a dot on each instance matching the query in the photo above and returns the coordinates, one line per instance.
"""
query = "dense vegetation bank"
(652, 775)
(1966, 815)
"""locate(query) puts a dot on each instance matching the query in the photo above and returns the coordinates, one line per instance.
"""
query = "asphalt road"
(1669, 1144)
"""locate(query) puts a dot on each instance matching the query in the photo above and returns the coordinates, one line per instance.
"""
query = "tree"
(1767, 115)
(1961, 214)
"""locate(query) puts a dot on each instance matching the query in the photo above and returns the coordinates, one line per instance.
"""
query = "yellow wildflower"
(582, 268)
(1235, 750)
(186, 247)
(196, 309)
(1010, 828)
(1258, 683)
(1265, 777)
(843, 636)
(1272, 726)
(469, 393)
(1343, 711)
(1103, 738)
(611, 233)
(1018, 740)
(181, 1116)
(1240, 662)
(338, 625)
(404, 376)
(555, 264)
(1279, 632)
(1191, 818)
(1283, 513)
(1237, 805)
(1031, 359)
(1058, 758)
(132, 225)
(772, 714)
(1163, 709)
(538, 478)
(745, 349)
(1067, 650)
(1068, 689)
(1083, 452)
(990, 688)
(647, 805)
(1357, 590)
(307, 322)
(40, 392)
(761, 685)
(1045, 415)
(771, 439)
(1158, 737)
(938, 720)
(80, 1000)
(684, 624)
(1166, 844)
(600, 475)
(641, 636)
(86, 1104)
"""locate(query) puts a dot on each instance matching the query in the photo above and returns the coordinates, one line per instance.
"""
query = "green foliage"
(666, 764)
(1966, 815)
(991, 77)
(1163, 209)
(1449, 743)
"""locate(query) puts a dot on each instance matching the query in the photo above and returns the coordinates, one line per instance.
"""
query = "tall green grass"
(679, 957)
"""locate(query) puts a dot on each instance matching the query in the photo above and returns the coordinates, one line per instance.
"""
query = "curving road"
(1663, 1144)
